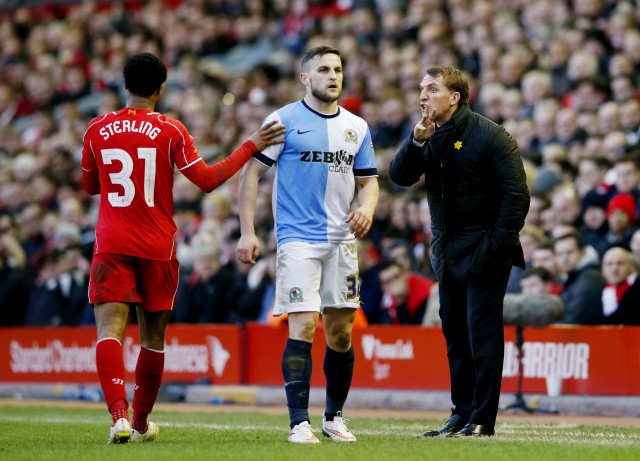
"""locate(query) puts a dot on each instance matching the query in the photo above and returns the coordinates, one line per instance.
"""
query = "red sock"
(110, 365)
(148, 378)
(139, 422)
(119, 410)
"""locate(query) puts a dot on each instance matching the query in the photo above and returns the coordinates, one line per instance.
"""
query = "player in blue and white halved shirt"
(325, 193)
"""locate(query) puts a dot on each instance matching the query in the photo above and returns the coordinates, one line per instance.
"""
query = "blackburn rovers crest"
(350, 136)
(295, 295)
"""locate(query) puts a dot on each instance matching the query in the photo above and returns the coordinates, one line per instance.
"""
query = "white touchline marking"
(508, 432)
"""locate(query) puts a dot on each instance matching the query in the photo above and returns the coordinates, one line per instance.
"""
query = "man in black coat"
(582, 280)
(477, 192)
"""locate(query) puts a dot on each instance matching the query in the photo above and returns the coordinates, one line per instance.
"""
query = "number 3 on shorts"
(352, 286)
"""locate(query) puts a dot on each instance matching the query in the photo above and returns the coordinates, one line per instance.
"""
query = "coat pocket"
(469, 253)
(483, 254)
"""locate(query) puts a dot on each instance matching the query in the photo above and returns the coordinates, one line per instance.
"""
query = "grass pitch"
(40, 431)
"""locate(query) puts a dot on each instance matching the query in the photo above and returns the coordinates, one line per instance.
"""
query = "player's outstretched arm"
(208, 178)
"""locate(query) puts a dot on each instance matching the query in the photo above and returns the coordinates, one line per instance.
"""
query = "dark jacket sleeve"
(582, 298)
(408, 165)
(512, 182)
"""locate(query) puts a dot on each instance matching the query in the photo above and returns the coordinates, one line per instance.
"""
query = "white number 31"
(123, 177)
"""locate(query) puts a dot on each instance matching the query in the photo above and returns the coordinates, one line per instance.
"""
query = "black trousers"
(471, 314)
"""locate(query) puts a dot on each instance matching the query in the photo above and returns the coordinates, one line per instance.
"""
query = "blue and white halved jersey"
(316, 169)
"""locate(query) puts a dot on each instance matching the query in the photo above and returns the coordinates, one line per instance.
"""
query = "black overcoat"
(477, 192)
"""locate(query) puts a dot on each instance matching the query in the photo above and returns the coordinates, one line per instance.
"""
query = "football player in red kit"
(129, 158)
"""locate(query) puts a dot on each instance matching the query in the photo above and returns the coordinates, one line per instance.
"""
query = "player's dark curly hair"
(144, 73)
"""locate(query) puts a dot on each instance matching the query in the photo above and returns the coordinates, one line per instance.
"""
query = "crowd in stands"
(562, 76)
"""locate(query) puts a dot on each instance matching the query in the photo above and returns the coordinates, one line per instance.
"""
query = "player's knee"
(152, 340)
(340, 341)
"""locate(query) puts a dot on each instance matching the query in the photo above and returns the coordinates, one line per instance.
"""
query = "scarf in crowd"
(612, 295)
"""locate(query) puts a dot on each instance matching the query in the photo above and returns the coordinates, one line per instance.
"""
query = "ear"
(455, 98)
(304, 78)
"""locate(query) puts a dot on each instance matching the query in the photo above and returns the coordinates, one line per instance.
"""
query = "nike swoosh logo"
(303, 132)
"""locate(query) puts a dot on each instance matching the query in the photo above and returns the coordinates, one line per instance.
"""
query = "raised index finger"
(431, 114)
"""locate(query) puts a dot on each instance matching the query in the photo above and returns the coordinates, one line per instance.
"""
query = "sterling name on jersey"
(316, 169)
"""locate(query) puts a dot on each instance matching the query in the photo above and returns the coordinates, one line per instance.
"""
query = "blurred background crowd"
(561, 76)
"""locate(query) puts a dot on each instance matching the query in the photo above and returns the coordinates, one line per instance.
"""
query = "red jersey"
(130, 157)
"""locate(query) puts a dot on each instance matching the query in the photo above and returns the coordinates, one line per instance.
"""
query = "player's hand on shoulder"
(248, 249)
(269, 134)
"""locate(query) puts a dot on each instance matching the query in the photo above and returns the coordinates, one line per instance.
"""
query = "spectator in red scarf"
(621, 295)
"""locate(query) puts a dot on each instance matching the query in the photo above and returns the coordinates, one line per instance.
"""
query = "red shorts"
(148, 283)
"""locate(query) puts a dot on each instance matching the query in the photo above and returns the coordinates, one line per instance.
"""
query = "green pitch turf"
(74, 434)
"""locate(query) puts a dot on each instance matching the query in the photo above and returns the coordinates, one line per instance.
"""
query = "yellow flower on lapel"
(458, 145)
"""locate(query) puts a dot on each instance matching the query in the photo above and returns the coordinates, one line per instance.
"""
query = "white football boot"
(120, 431)
(302, 433)
(337, 429)
(149, 436)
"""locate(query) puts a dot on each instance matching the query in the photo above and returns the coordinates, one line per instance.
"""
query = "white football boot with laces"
(302, 433)
(149, 436)
(120, 431)
(337, 429)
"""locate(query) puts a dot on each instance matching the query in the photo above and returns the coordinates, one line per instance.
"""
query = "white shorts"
(312, 276)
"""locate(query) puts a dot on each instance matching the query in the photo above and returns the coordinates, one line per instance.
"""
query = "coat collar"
(461, 114)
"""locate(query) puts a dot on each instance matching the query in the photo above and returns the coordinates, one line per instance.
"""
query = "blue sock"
(296, 370)
(338, 369)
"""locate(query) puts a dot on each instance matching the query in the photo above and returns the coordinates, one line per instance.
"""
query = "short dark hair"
(454, 80)
(543, 197)
(399, 243)
(575, 236)
(387, 263)
(316, 52)
(540, 272)
(144, 73)
(629, 158)
(600, 161)
(545, 245)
